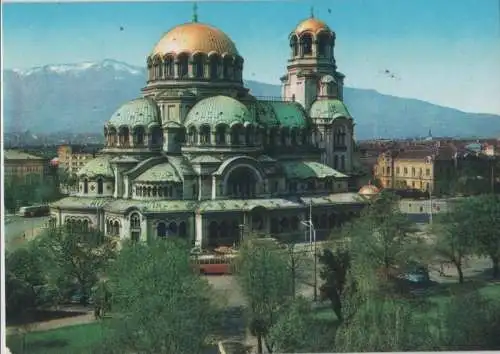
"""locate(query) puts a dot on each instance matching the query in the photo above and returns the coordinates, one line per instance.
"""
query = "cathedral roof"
(163, 172)
(282, 114)
(311, 24)
(99, 166)
(216, 110)
(193, 38)
(329, 108)
(139, 112)
(309, 169)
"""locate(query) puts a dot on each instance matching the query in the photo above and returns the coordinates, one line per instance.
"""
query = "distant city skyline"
(442, 51)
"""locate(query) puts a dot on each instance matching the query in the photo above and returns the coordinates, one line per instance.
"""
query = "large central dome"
(195, 37)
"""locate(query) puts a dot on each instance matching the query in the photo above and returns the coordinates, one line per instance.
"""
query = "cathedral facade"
(198, 156)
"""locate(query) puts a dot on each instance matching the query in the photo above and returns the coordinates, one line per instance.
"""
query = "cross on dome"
(195, 12)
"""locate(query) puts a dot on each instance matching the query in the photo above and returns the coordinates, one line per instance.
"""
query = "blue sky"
(442, 51)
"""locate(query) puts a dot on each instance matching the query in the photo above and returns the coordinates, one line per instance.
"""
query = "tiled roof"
(329, 109)
(309, 169)
(138, 112)
(337, 198)
(152, 206)
(162, 172)
(99, 166)
(216, 110)
(239, 204)
(280, 114)
(80, 203)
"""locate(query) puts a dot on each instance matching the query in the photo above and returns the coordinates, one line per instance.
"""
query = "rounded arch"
(227, 66)
(323, 40)
(221, 134)
(205, 134)
(182, 61)
(214, 61)
(294, 45)
(198, 61)
(161, 229)
(306, 43)
(138, 134)
(100, 185)
(168, 66)
(182, 229)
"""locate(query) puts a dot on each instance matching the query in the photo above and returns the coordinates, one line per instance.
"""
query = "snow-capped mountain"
(81, 97)
(80, 68)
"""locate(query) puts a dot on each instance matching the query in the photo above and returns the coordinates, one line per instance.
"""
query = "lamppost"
(312, 240)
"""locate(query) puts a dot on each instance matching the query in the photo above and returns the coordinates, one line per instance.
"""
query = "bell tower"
(312, 57)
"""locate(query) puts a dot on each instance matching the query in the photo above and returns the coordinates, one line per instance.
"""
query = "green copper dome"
(329, 109)
(97, 167)
(138, 112)
(217, 110)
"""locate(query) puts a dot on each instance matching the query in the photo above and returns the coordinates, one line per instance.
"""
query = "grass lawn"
(78, 339)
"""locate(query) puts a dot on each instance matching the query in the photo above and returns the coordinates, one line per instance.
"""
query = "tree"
(27, 283)
(160, 304)
(77, 258)
(481, 215)
(297, 331)
(454, 237)
(336, 265)
(384, 325)
(263, 273)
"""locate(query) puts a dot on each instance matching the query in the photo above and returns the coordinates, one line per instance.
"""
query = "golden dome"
(195, 37)
(369, 190)
(311, 25)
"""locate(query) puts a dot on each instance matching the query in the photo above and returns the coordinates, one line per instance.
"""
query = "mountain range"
(81, 97)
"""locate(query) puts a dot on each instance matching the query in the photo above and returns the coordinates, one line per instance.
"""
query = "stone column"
(214, 187)
(198, 230)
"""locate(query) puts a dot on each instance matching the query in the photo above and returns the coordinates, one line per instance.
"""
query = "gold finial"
(312, 11)
(195, 12)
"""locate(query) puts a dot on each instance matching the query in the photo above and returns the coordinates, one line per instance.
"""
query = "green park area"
(380, 288)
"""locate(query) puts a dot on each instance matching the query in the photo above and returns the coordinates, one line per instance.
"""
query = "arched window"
(85, 186)
(161, 229)
(235, 134)
(112, 137)
(192, 136)
(100, 186)
(198, 66)
(116, 229)
(135, 227)
(214, 67)
(306, 42)
(85, 225)
(124, 136)
(172, 228)
(205, 135)
(138, 135)
(182, 229)
(169, 67)
(342, 163)
(220, 134)
(227, 67)
(323, 44)
(156, 136)
(336, 162)
(249, 135)
(284, 136)
(182, 65)
(294, 46)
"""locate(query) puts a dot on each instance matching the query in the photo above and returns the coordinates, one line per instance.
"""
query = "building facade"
(198, 156)
(19, 165)
(72, 158)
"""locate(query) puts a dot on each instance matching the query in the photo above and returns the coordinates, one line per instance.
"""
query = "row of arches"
(309, 44)
(165, 229)
(137, 136)
(112, 227)
(78, 224)
(197, 66)
(249, 135)
(165, 191)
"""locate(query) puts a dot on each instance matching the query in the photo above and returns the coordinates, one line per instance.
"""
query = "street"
(16, 226)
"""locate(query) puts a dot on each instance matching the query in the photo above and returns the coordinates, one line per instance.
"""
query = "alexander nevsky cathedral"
(198, 156)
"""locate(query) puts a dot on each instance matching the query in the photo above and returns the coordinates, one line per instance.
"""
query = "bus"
(34, 210)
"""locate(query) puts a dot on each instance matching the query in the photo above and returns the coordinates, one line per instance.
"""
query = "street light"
(312, 240)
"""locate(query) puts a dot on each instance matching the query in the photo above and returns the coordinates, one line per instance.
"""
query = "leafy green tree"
(298, 260)
(77, 258)
(481, 215)
(263, 273)
(160, 304)
(469, 322)
(26, 281)
(454, 237)
(297, 331)
(384, 325)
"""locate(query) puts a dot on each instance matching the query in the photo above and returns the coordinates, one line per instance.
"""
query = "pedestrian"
(24, 236)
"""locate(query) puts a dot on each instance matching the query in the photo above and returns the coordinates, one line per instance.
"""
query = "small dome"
(219, 110)
(311, 25)
(163, 172)
(97, 167)
(329, 108)
(138, 112)
(369, 190)
(195, 37)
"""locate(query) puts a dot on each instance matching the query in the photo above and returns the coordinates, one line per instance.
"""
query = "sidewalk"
(53, 324)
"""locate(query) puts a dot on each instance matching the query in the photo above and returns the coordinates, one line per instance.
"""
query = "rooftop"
(20, 155)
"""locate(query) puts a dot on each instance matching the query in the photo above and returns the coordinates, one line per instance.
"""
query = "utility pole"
(312, 237)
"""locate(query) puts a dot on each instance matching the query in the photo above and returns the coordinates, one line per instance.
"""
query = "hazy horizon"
(444, 52)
